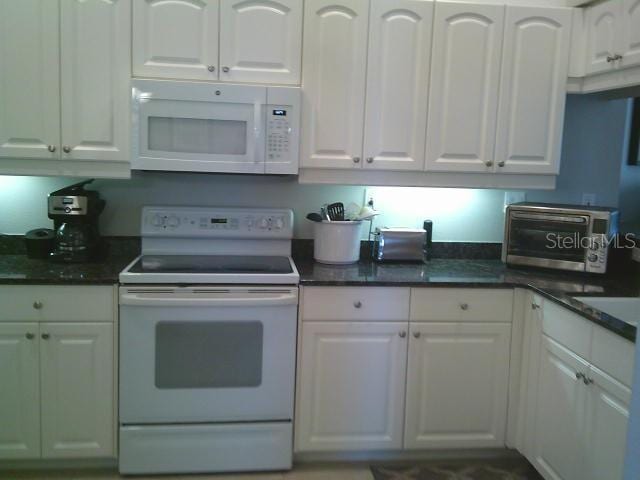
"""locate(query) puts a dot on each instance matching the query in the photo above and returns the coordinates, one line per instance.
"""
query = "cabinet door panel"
(333, 78)
(533, 90)
(560, 409)
(175, 39)
(463, 99)
(630, 31)
(603, 21)
(261, 41)
(29, 79)
(96, 70)
(20, 398)
(77, 390)
(398, 84)
(351, 386)
(607, 419)
(457, 385)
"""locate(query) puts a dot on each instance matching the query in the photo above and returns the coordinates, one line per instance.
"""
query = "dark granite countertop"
(555, 285)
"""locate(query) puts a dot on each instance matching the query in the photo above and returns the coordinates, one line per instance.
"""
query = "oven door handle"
(150, 300)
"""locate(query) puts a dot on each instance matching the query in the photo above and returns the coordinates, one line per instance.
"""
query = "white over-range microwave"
(215, 127)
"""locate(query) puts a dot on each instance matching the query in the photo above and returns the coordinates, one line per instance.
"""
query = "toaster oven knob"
(593, 257)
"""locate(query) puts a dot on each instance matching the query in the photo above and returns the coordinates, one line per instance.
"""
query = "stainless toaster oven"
(564, 237)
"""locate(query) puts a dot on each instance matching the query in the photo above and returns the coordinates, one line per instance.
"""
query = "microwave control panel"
(278, 133)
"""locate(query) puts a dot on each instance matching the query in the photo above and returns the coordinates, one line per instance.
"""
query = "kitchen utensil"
(314, 217)
(336, 212)
(324, 214)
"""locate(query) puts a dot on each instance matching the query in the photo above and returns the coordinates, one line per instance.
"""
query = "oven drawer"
(355, 303)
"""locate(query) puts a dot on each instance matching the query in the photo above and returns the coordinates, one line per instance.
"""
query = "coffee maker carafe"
(75, 212)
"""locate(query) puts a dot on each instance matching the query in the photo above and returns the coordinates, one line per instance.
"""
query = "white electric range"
(208, 317)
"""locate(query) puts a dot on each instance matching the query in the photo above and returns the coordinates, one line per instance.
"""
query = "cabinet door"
(603, 22)
(533, 90)
(176, 39)
(397, 84)
(261, 41)
(351, 386)
(333, 81)
(95, 73)
(463, 96)
(76, 364)
(457, 382)
(607, 419)
(20, 398)
(29, 79)
(630, 34)
(560, 408)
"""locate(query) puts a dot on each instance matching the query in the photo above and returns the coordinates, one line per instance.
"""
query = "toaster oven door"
(548, 240)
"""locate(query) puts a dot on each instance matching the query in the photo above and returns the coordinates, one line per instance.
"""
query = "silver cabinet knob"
(66, 149)
(211, 68)
(501, 164)
(225, 69)
(610, 58)
(356, 159)
(37, 305)
(30, 336)
(402, 334)
(617, 56)
(51, 148)
(357, 304)
(416, 334)
(369, 159)
(586, 380)
(534, 306)
(45, 336)
(464, 306)
(580, 376)
(489, 163)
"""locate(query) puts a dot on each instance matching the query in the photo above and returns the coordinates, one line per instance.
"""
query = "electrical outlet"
(588, 199)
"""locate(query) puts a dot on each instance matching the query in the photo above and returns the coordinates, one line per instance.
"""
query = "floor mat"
(501, 469)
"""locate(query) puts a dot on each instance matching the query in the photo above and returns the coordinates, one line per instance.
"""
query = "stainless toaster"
(400, 244)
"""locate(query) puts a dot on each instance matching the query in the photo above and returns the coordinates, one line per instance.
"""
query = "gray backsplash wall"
(592, 159)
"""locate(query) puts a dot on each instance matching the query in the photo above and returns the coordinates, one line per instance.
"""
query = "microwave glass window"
(197, 135)
(196, 355)
(554, 240)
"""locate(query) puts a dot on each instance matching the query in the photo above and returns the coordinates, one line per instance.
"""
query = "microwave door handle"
(257, 120)
(138, 300)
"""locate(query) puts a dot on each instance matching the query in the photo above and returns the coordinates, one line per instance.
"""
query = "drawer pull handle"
(402, 334)
(464, 306)
(587, 380)
(580, 376)
(30, 336)
(46, 336)
(37, 305)
(416, 334)
(535, 306)
(357, 304)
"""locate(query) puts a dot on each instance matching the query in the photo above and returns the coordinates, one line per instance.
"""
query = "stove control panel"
(217, 222)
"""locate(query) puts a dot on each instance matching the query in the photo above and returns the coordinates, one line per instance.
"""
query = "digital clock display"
(218, 220)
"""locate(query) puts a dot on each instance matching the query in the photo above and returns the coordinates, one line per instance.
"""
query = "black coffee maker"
(75, 212)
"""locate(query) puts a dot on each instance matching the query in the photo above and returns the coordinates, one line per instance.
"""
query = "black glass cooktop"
(211, 264)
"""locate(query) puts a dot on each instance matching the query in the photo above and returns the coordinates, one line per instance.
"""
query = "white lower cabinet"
(19, 400)
(351, 386)
(57, 377)
(457, 384)
(76, 363)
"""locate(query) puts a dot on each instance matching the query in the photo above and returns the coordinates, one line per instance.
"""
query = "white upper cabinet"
(533, 90)
(175, 39)
(397, 84)
(630, 32)
(351, 384)
(333, 80)
(261, 41)
(95, 71)
(20, 398)
(603, 38)
(29, 79)
(465, 74)
(457, 385)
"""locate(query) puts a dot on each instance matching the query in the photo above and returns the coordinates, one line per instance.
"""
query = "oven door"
(548, 240)
(182, 126)
(191, 354)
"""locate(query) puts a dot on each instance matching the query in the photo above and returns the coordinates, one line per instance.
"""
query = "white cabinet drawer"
(567, 328)
(38, 303)
(355, 303)
(461, 305)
